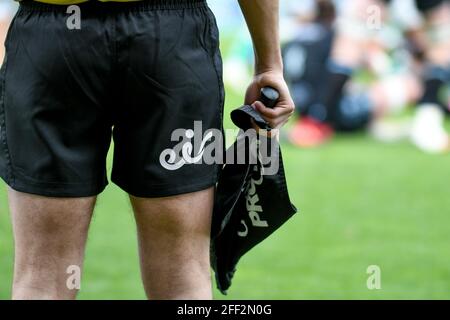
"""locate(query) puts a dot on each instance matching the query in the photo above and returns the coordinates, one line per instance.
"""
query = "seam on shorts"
(22, 174)
(217, 62)
(215, 57)
(23, 183)
(118, 176)
(9, 176)
(64, 191)
(101, 7)
(167, 190)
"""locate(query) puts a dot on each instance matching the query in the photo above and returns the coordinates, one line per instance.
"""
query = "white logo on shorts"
(191, 148)
(197, 147)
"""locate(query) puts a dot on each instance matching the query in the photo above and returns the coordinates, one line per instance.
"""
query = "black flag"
(251, 201)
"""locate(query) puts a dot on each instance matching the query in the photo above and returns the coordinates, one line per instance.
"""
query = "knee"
(47, 267)
(41, 281)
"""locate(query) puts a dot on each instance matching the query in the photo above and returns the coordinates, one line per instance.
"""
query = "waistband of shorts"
(95, 5)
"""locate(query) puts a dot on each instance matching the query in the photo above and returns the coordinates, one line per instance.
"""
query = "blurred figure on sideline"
(319, 69)
(428, 131)
(305, 58)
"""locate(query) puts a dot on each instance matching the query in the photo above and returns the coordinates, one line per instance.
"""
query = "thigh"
(37, 219)
(174, 243)
(49, 237)
(438, 34)
(178, 225)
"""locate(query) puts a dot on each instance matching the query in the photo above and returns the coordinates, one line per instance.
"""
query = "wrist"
(269, 67)
(269, 63)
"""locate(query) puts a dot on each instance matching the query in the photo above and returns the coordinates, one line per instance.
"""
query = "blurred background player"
(305, 58)
(428, 131)
(366, 36)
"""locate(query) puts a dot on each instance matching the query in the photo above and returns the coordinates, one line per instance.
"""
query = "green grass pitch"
(361, 203)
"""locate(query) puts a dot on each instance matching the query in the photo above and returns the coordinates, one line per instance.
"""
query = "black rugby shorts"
(128, 72)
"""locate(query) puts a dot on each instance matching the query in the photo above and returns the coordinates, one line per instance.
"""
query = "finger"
(278, 122)
(270, 113)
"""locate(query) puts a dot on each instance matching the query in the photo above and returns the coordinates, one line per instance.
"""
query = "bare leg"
(438, 22)
(174, 237)
(393, 93)
(50, 235)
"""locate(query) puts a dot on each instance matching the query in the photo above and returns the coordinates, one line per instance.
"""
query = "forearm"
(262, 17)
